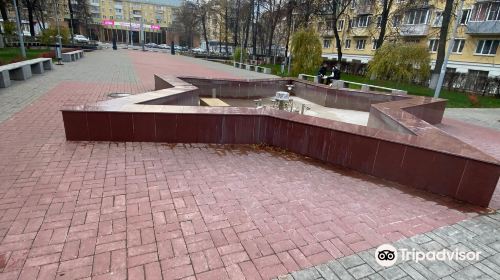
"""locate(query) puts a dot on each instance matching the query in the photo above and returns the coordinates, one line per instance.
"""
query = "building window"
(379, 21)
(362, 21)
(438, 20)
(417, 16)
(326, 43)
(340, 25)
(374, 46)
(350, 23)
(396, 21)
(433, 45)
(360, 44)
(347, 43)
(465, 16)
(458, 45)
(486, 11)
(494, 12)
(488, 47)
(353, 4)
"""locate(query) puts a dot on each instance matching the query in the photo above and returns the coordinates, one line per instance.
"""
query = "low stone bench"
(72, 56)
(306, 77)
(264, 70)
(23, 70)
(251, 67)
(367, 87)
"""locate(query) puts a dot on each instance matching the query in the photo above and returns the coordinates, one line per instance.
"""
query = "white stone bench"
(251, 67)
(264, 70)
(306, 77)
(72, 56)
(23, 70)
(339, 84)
(367, 87)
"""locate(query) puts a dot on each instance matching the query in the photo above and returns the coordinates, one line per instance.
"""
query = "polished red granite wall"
(423, 157)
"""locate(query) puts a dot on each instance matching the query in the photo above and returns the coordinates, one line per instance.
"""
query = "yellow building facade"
(475, 48)
(120, 17)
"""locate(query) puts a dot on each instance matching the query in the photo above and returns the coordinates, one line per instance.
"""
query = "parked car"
(81, 39)
(164, 46)
(151, 45)
(198, 50)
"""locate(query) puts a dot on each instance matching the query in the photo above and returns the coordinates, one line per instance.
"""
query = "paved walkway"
(106, 210)
(489, 118)
(480, 234)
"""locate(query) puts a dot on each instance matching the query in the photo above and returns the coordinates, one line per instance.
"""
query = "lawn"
(455, 99)
(9, 55)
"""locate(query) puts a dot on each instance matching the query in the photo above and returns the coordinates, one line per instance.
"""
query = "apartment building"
(475, 48)
(120, 19)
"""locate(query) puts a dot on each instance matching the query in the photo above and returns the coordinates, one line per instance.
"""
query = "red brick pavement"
(107, 210)
(153, 63)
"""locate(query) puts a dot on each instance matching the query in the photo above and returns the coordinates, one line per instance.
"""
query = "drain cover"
(118, 94)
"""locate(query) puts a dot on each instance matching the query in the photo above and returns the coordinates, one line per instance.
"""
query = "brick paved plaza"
(107, 210)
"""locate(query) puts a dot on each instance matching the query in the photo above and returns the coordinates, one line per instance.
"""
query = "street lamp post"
(290, 55)
(19, 31)
(130, 24)
(58, 36)
(142, 35)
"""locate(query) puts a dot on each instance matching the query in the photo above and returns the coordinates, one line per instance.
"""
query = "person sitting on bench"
(322, 72)
(334, 76)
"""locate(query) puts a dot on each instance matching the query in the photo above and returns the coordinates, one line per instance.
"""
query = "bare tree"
(31, 7)
(443, 34)
(3, 10)
(334, 10)
(384, 18)
(186, 22)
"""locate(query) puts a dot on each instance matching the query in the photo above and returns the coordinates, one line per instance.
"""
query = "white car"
(81, 39)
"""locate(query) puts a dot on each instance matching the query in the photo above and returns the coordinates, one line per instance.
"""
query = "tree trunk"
(256, 27)
(273, 27)
(30, 7)
(3, 11)
(386, 7)
(249, 19)
(236, 28)
(70, 7)
(443, 34)
(204, 26)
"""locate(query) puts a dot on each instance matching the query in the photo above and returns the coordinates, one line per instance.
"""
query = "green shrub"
(237, 54)
(9, 28)
(401, 62)
(48, 36)
(306, 52)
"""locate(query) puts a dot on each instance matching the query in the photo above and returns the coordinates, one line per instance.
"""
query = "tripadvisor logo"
(386, 255)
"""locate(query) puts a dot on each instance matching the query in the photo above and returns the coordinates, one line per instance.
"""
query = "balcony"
(326, 32)
(490, 27)
(414, 30)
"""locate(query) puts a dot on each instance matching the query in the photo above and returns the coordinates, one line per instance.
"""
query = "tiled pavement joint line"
(478, 234)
